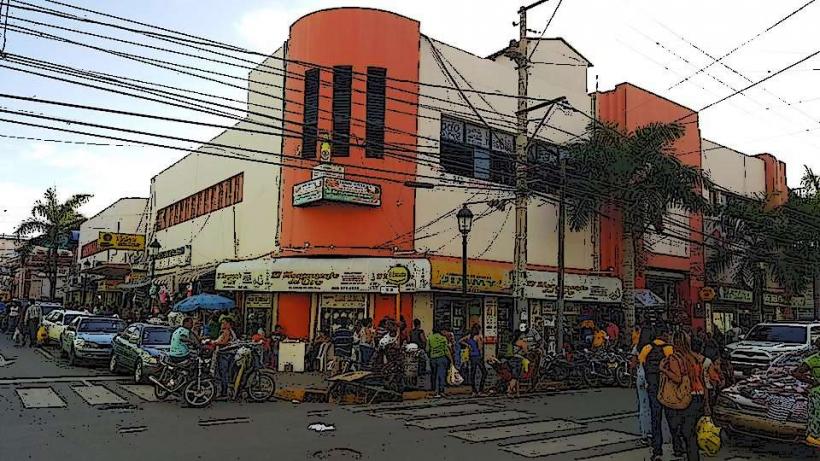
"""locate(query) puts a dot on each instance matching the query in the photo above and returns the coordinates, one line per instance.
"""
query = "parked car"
(769, 404)
(137, 350)
(88, 338)
(47, 307)
(766, 341)
(56, 321)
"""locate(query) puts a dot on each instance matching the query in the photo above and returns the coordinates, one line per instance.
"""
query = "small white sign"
(389, 290)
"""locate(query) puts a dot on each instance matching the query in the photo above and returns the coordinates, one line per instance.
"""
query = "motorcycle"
(249, 376)
(191, 380)
(606, 368)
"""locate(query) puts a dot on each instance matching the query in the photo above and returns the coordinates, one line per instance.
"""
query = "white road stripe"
(40, 397)
(132, 430)
(490, 434)
(97, 395)
(610, 417)
(219, 422)
(143, 391)
(467, 420)
(437, 411)
(570, 443)
(61, 379)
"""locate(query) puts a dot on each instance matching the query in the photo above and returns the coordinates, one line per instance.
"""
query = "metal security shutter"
(374, 145)
(342, 89)
(311, 113)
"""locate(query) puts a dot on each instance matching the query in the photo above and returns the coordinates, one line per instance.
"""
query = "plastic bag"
(708, 436)
(454, 377)
(42, 334)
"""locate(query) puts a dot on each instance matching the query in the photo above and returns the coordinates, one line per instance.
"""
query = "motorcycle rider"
(182, 341)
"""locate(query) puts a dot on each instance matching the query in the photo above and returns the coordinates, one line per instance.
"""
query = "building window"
(374, 145)
(342, 90)
(221, 195)
(477, 152)
(310, 126)
(545, 167)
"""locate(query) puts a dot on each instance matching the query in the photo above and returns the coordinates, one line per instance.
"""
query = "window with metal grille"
(310, 124)
(342, 89)
(474, 151)
(374, 144)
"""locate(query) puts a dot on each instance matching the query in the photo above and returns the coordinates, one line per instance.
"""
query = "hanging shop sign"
(367, 275)
(343, 300)
(108, 285)
(482, 276)
(258, 300)
(736, 295)
(588, 288)
(332, 189)
(490, 318)
(328, 170)
(398, 275)
(707, 294)
(175, 257)
(118, 241)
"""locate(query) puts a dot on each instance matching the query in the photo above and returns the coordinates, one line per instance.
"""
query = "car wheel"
(114, 365)
(138, 373)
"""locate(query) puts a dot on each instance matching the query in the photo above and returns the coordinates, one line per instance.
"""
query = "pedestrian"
(441, 357)
(599, 338)
(519, 364)
(276, 337)
(644, 412)
(474, 342)
(342, 340)
(14, 317)
(809, 373)
(417, 336)
(614, 332)
(650, 358)
(32, 319)
(685, 363)
(224, 360)
(367, 342)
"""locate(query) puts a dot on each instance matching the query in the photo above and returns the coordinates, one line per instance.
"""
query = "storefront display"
(337, 306)
(258, 312)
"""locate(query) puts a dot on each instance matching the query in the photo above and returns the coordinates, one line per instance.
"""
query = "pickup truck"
(766, 341)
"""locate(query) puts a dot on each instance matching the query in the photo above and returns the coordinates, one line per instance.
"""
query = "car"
(56, 321)
(46, 307)
(137, 350)
(766, 341)
(88, 338)
(770, 404)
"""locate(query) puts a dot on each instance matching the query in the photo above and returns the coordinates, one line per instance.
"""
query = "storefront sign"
(108, 285)
(398, 275)
(173, 258)
(366, 275)
(482, 277)
(258, 300)
(89, 249)
(333, 189)
(490, 318)
(707, 294)
(734, 295)
(589, 288)
(343, 300)
(117, 241)
(328, 170)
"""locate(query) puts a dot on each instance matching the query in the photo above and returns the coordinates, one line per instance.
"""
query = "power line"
(549, 21)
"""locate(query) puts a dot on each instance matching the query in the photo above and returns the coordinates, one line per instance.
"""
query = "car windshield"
(102, 326)
(778, 334)
(156, 337)
(68, 318)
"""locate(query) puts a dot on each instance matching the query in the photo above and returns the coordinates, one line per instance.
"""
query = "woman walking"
(644, 412)
(474, 342)
(809, 373)
(684, 364)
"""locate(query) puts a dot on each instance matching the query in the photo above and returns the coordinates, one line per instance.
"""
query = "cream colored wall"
(127, 216)
(733, 170)
(676, 221)
(423, 310)
(492, 236)
(249, 228)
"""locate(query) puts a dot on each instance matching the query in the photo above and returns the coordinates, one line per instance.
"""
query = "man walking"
(342, 340)
(14, 317)
(34, 314)
(438, 349)
(650, 358)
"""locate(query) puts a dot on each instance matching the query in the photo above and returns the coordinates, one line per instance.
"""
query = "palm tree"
(52, 222)
(637, 175)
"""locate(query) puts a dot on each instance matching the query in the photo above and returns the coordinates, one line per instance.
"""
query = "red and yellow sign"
(482, 276)
(117, 241)
(707, 294)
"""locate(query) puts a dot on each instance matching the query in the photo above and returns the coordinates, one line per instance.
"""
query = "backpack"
(676, 396)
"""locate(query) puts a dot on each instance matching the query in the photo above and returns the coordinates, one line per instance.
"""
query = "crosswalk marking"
(97, 395)
(466, 420)
(577, 442)
(40, 397)
(143, 391)
(438, 411)
(490, 434)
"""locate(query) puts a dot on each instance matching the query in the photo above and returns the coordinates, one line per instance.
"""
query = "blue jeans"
(644, 413)
(439, 366)
(223, 371)
(656, 412)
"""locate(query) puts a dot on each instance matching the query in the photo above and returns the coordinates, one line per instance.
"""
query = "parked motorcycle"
(191, 380)
(249, 376)
(606, 368)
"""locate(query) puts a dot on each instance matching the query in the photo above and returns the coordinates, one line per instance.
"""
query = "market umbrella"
(205, 302)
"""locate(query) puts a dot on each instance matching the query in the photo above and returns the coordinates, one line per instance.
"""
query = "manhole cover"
(338, 454)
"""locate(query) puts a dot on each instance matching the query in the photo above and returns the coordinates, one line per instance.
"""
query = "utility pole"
(559, 305)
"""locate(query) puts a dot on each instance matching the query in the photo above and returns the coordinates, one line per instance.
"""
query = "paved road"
(82, 414)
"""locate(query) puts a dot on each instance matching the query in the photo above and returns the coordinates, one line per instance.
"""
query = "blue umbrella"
(205, 302)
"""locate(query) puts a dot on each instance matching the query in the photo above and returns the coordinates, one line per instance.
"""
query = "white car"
(56, 321)
(767, 341)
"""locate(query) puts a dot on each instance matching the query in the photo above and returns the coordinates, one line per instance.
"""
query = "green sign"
(336, 190)
(735, 295)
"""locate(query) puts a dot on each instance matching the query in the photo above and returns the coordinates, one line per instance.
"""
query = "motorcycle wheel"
(199, 393)
(559, 372)
(622, 376)
(260, 387)
(591, 379)
(159, 392)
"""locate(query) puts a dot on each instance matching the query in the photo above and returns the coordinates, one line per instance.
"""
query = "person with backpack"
(650, 358)
(683, 393)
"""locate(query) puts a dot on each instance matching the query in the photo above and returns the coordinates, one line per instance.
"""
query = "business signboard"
(118, 241)
(333, 189)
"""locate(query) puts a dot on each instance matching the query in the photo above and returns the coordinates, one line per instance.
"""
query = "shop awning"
(317, 275)
(134, 285)
(646, 298)
(195, 274)
(109, 270)
(165, 279)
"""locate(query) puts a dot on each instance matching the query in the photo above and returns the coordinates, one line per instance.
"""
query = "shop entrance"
(333, 307)
(460, 314)
(258, 312)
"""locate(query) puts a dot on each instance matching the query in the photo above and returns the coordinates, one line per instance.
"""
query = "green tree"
(51, 221)
(636, 176)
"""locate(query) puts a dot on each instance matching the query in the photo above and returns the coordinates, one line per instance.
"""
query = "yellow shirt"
(598, 339)
(667, 350)
(636, 336)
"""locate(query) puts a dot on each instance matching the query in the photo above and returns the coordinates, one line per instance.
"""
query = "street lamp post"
(84, 279)
(465, 223)
(153, 249)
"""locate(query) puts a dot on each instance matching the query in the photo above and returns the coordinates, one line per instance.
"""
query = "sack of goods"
(708, 436)
(454, 377)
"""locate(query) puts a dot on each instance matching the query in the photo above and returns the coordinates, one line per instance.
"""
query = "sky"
(651, 44)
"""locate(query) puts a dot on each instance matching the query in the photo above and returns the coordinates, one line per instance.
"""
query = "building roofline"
(625, 84)
(112, 205)
(324, 10)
